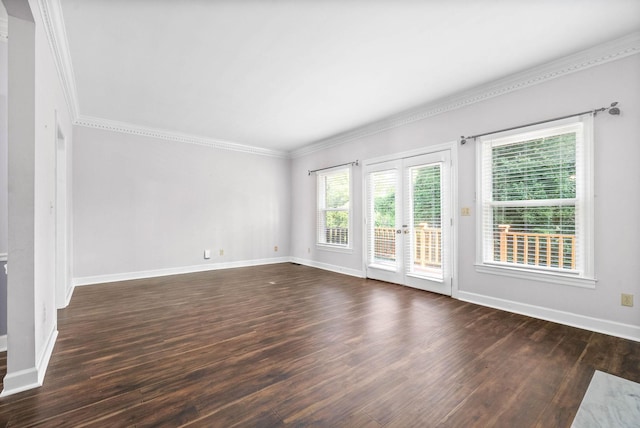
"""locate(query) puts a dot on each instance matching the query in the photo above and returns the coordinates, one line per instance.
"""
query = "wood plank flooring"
(288, 345)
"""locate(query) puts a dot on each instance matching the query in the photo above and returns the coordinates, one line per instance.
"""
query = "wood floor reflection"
(289, 345)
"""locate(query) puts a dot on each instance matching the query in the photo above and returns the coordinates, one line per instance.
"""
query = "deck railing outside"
(337, 235)
(384, 243)
(537, 249)
(533, 249)
(427, 245)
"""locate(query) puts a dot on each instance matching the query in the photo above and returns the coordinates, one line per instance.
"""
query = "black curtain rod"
(335, 166)
(612, 110)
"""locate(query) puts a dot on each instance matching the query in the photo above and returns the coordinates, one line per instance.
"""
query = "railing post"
(427, 254)
(437, 237)
(423, 243)
(504, 228)
(560, 251)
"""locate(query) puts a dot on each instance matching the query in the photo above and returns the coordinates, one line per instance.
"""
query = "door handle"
(406, 231)
(398, 231)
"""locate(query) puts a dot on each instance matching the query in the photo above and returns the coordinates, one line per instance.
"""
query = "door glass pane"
(426, 221)
(382, 231)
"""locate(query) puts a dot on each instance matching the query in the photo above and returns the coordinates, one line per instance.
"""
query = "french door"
(408, 221)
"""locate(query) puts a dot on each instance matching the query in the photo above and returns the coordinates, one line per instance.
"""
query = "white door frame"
(452, 147)
(62, 258)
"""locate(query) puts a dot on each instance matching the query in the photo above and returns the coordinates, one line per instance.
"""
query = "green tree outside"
(538, 169)
(425, 182)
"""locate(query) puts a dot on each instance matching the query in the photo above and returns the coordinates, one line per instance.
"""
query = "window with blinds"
(334, 217)
(535, 198)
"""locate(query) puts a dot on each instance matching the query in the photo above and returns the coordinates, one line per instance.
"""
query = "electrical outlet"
(626, 299)
(221, 252)
(465, 211)
(275, 248)
(207, 254)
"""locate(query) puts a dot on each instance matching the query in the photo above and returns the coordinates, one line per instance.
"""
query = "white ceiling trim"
(51, 12)
(129, 128)
(606, 52)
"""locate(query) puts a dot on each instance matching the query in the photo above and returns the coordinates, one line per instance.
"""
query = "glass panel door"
(383, 231)
(425, 217)
(384, 216)
(409, 221)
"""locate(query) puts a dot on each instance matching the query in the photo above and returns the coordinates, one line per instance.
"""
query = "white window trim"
(348, 249)
(584, 209)
(334, 248)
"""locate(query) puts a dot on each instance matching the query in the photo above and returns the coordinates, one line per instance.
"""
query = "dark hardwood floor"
(288, 345)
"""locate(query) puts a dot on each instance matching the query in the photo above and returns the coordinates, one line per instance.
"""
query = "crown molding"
(51, 12)
(54, 28)
(52, 17)
(129, 128)
(600, 54)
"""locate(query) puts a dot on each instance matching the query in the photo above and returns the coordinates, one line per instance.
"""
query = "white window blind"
(334, 216)
(382, 227)
(425, 208)
(535, 199)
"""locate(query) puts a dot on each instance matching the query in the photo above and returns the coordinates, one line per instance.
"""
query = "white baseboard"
(626, 331)
(19, 381)
(47, 351)
(32, 377)
(329, 267)
(99, 279)
(67, 298)
(3, 343)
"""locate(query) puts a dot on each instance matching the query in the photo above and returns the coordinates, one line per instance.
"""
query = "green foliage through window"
(426, 195)
(333, 205)
(532, 205)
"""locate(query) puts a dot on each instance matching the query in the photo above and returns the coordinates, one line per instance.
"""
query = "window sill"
(334, 248)
(552, 277)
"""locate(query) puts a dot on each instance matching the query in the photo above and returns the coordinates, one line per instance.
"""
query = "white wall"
(617, 177)
(146, 206)
(3, 140)
(4, 208)
(35, 100)
(51, 113)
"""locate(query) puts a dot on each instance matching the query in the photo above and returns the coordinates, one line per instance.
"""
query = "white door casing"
(409, 220)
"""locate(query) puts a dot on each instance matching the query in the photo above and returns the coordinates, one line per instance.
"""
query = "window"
(334, 214)
(535, 201)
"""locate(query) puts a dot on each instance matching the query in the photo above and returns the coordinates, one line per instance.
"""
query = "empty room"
(320, 213)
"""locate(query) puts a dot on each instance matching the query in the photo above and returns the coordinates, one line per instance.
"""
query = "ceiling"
(282, 74)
